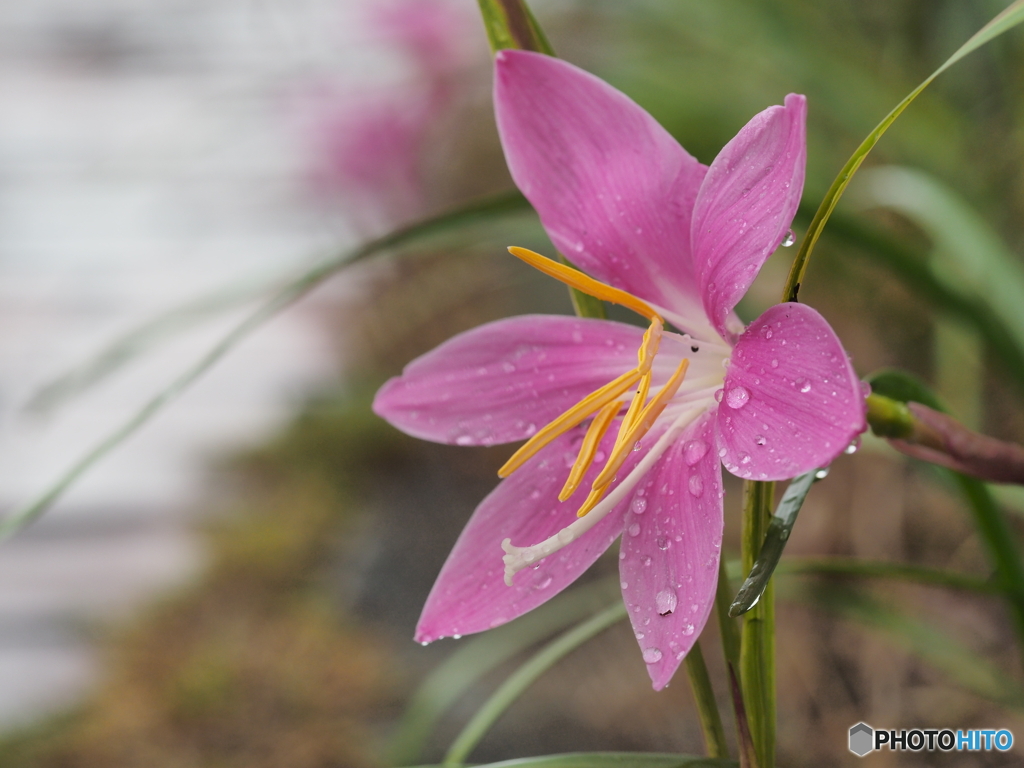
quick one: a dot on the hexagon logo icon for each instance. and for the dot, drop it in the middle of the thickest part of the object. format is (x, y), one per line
(862, 738)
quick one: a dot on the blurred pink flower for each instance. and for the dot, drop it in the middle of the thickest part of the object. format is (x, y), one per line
(674, 240)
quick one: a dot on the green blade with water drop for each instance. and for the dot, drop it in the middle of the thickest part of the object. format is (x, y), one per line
(775, 539)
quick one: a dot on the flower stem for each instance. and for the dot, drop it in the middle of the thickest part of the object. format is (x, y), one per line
(757, 644)
(731, 651)
(707, 708)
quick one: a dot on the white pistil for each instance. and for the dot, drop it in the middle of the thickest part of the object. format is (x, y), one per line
(518, 558)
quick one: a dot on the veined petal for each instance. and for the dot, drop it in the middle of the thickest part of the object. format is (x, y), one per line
(470, 594)
(670, 550)
(792, 401)
(503, 381)
(613, 189)
(746, 204)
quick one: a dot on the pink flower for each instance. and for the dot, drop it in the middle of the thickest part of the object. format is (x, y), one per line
(681, 242)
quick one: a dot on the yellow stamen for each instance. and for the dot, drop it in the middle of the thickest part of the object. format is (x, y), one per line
(649, 346)
(592, 500)
(595, 433)
(572, 417)
(581, 282)
(640, 427)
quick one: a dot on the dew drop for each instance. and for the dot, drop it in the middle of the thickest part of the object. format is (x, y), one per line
(760, 439)
(865, 388)
(766, 331)
(639, 635)
(852, 447)
(803, 385)
(718, 394)
(652, 655)
(464, 440)
(821, 474)
(665, 601)
(775, 363)
(633, 530)
(639, 505)
(694, 451)
(646, 559)
(637, 446)
(688, 630)
(789, 239)
(663, 542)
(737, 397)
(696, 486)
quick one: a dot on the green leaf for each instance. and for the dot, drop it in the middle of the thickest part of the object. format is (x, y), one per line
(1009, 18)
(478, 656)
(524, 677)
(989, 520)
(757, 643)
(707, 706)
(911, 267)
(958, 662)
(779, 528)
(487, 210)
(511, 24)
(611, 760)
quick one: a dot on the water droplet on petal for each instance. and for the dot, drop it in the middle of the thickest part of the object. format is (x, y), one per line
(665, 601)
(821, 474)
(865, 388)
(760, 439)
(852, 447)
(737, 397)
(789, 239)
(718, 394)
(637, 446)
(696, 486)
(464, 440)
(663, 542)
(694, 451)
(639, 505)
(766, 331)
(803, 385)
(633, 530)
(775, 363)
(688, 630)
(652, 655)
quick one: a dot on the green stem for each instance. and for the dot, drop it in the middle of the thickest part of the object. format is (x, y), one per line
(707, 708)
(1001, 545)
(731, 651)
(757, 644)
(524, 677)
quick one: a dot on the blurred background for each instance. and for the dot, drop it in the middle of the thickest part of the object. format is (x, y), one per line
(237, 584)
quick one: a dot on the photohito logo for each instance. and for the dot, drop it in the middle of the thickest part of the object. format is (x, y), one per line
(865, 739)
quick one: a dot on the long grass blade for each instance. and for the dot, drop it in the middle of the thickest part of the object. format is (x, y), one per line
(486, 210)
(1009, 18)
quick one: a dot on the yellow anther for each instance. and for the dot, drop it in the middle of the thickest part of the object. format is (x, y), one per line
(643, 422)
(649, 347)
(592, 499)
(571, 418)
(581, 282)
(591, 441)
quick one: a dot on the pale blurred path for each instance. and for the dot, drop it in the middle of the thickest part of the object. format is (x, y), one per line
(145, 159)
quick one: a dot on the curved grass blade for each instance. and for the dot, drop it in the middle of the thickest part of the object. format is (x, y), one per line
(611, 760)
(140, 340)
(523, 677)
(1009, 18)
(875, 569)
(482, 654)
(958, 662)
(989, 520)
(779, 528)
(486, 210)
(912, 269)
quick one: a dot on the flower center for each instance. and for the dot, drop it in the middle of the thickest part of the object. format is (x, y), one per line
(603, 404)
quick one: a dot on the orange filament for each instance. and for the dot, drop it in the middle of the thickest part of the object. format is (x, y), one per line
(581, 282)
(642, 424)
(595, 433)
(574, 416)
(604, 402)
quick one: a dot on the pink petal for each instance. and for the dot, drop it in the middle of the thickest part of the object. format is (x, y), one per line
(670, 550)
(502, 381)
(470, 594)
(613, 189)
(746, 204)
(792, 401)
